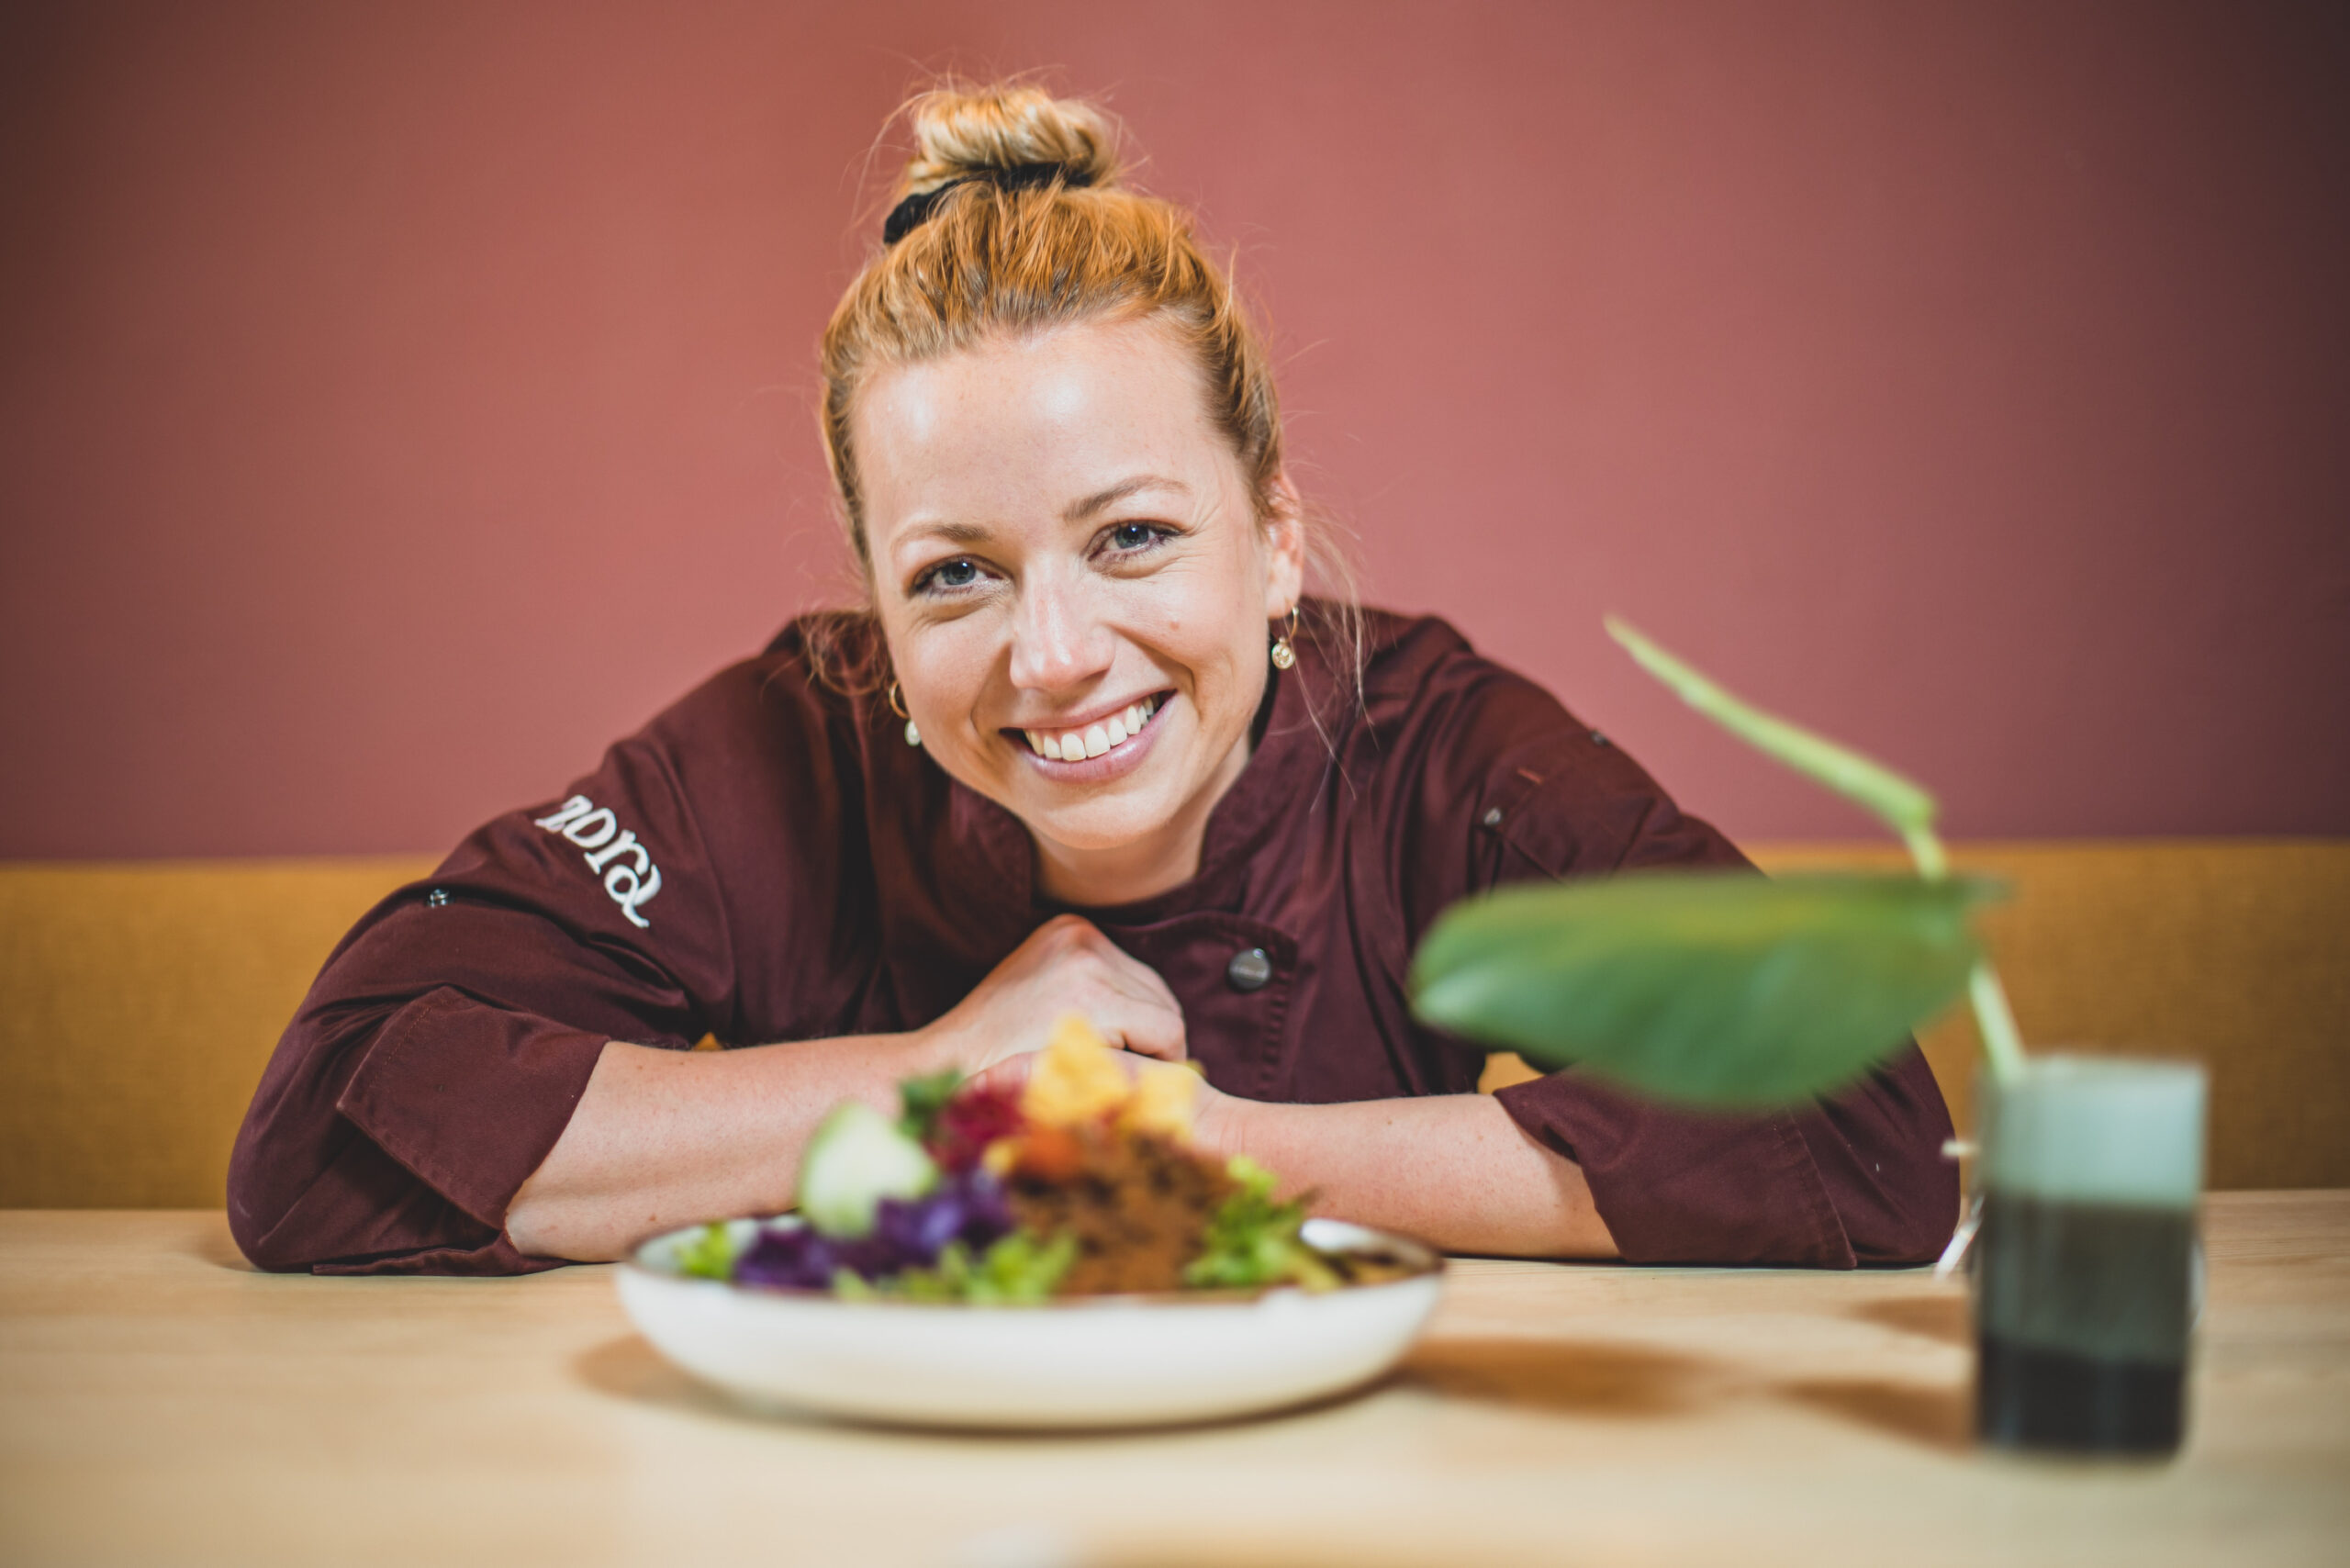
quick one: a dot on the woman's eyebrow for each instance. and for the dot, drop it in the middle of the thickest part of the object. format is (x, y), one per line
(952, 532)
(1079, 511)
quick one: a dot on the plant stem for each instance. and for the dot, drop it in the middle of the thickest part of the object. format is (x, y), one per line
(1900, 803)
(2002, 1041)
(1926, 850)
(1993, 1019)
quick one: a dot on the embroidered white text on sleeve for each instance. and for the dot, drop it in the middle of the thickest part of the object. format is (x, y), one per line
(597, 830)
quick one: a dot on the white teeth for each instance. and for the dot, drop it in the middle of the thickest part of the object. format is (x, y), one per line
(1070, 746)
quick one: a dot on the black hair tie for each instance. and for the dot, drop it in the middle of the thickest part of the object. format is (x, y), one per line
(914, 211)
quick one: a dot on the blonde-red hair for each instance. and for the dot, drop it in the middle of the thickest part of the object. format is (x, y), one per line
(1062, 240)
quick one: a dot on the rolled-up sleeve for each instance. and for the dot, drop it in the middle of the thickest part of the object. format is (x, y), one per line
(469, 1098)
(442, 1049)
(1855, 1177)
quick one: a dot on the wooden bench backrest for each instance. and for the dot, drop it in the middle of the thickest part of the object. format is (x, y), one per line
(138, 1002)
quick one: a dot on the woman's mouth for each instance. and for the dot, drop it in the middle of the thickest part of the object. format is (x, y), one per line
(1097, 738)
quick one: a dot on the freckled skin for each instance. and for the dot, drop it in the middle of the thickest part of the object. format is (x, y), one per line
(1005, 609)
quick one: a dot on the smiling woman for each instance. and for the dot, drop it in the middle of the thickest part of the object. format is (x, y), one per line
(1074, 580)
(1088, 747)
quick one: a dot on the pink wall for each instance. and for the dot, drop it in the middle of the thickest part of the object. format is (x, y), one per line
(397, 402)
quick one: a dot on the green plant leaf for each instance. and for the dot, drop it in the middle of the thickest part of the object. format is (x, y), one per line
(1902, 803)
(1720, 989)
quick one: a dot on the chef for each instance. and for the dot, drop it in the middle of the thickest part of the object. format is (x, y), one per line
(1088, 746)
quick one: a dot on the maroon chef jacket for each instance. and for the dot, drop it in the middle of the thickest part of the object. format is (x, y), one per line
(770, 861)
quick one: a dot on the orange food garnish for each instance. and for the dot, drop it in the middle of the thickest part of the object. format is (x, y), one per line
(1080, 1081)
(1051, 1154)
(1077, 1078)
(1161, 1101)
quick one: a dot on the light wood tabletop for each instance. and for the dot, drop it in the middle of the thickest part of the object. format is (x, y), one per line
(161, 1403)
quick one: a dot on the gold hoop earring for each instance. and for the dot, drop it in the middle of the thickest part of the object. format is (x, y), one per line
(913, 735)
(1285, 654)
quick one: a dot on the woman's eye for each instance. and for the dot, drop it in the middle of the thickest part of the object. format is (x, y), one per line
(949, 574)
(1134, 535)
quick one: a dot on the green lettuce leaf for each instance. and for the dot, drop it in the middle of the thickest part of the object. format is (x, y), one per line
(1252, 1241)
(1017, 1271)
(709, 1256)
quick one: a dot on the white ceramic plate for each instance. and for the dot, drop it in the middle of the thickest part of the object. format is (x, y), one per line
(1095, 1361)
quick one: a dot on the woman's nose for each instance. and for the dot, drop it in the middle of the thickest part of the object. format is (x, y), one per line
(1057, 641)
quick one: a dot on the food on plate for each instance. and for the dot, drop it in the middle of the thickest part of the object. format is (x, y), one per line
(1082, 1182)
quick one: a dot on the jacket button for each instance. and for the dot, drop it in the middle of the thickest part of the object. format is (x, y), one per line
(1250, 970)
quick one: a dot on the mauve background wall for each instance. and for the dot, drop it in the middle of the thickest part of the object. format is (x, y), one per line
(400, 401)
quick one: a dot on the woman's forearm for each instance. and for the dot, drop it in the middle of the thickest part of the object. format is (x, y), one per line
(1453, 1170)
(663, 1139)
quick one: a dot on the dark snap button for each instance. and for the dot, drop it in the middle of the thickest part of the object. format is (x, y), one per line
(1250, 970)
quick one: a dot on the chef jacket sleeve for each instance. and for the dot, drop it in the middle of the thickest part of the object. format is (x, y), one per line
(1858, 1177)
(442, 1048)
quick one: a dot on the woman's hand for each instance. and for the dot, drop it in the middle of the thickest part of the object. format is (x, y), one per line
(1066, 966)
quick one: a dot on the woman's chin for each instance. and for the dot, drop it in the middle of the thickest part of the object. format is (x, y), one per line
(1126, 823)
(1109, 822)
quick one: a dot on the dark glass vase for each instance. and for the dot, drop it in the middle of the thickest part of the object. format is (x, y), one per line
(2085, 1265)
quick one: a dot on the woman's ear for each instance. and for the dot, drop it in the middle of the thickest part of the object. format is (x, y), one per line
(1284, 547)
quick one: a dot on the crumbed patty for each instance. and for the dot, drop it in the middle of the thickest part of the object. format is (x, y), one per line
(1138, 1206)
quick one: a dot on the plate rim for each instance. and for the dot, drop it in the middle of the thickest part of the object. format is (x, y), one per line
(1427, 1264)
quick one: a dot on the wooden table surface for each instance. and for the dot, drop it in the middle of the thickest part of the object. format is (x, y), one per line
(161, 1403)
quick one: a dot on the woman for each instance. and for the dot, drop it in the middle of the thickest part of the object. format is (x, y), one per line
(1088, 749)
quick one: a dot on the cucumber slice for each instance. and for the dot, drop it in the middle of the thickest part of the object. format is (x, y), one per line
(857, 1157)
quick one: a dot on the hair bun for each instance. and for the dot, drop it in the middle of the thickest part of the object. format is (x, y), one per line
(962, 131)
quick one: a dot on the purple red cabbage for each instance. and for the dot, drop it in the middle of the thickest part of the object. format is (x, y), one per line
(908, 1233)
